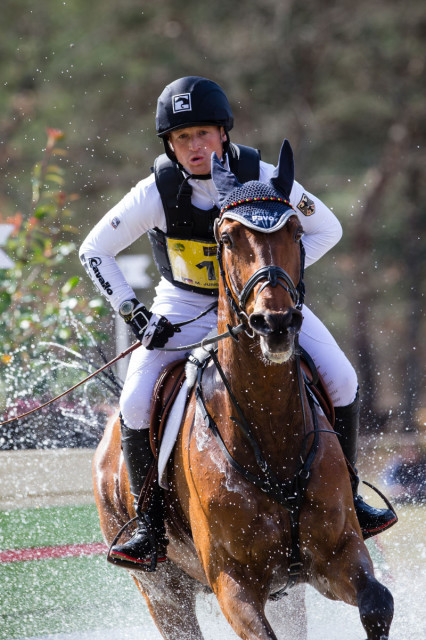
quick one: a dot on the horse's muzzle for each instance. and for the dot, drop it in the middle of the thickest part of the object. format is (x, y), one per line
(276, 323)
(277, 330)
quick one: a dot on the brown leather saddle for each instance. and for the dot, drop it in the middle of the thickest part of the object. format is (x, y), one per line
(165, 391)
(171, 379)
(316, 384)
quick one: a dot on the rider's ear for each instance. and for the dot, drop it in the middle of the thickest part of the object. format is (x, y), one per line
(216, 230)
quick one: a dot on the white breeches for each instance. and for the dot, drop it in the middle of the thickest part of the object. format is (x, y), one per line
(145, 366)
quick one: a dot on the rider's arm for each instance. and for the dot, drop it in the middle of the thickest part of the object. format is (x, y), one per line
(322, 229)
(138, 211)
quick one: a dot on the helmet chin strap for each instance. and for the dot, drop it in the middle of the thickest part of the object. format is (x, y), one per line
(194, 176)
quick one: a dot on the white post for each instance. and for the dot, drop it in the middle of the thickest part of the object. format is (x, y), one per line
(5, 261)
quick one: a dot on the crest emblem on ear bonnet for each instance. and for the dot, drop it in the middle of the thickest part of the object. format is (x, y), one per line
(258, 205)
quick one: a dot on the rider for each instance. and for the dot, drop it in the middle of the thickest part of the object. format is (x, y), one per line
(176, 205)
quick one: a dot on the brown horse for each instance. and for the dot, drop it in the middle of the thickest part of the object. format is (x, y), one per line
(260, 496)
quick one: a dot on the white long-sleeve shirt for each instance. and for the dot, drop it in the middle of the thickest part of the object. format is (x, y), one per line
(141, 209)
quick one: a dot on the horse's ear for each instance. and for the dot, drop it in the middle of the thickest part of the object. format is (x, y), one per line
(224, 181)
(283, 176)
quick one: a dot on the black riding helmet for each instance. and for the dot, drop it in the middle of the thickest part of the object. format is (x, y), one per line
(192, 101)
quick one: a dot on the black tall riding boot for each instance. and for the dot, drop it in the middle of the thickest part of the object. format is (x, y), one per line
(149, 537)
(372, 521)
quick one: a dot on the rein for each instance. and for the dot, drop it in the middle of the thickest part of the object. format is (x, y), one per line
(231, 333)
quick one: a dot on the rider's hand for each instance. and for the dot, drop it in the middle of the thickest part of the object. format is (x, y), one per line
(157, 332)
(151, 329)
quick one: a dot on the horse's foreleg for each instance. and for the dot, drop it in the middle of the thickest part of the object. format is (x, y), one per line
(241, 603)
(171, 597)
(351, 578)
(375, 603)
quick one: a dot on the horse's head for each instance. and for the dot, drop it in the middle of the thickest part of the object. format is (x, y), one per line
(260, 255)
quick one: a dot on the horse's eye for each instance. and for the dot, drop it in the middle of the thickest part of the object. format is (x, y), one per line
(226, 240)
(298, 234)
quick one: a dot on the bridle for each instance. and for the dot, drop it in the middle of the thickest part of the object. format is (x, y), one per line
(272, 275)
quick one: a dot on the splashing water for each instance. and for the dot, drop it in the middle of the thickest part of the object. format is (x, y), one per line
(38, 373)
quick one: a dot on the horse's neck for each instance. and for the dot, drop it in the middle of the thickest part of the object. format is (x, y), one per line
(268, 394)
(242, 361)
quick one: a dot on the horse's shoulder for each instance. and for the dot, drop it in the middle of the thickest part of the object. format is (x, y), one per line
(109, 444)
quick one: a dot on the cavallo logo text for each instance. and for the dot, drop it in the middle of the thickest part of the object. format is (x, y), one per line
(94, 265)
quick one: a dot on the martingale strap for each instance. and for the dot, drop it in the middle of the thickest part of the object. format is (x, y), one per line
(289, 493)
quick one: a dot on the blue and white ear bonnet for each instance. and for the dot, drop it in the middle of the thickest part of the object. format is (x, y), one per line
(259, 206)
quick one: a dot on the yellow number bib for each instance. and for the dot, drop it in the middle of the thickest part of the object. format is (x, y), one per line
(194, 262)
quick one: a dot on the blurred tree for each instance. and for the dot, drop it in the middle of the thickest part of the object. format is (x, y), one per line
(341, 80)
(37, 295)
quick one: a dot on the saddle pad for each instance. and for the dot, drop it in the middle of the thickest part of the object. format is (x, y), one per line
(170, 434)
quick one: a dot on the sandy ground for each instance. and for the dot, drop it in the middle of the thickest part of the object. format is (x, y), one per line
(42, 478)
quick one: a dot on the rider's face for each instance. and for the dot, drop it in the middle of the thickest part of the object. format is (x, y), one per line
(193, 146)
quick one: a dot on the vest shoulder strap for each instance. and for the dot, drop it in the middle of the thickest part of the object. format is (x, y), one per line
(244, 162)
(168, 179)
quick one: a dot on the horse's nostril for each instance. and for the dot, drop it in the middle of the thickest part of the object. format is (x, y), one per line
(258, 322)
(297, 319)
(278, 323)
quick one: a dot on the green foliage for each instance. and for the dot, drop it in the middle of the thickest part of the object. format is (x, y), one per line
(47, 320)
(38, 298)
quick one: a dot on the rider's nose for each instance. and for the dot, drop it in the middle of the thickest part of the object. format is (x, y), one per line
(194, 143)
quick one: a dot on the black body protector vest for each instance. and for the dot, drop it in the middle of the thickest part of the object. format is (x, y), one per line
(186, 254)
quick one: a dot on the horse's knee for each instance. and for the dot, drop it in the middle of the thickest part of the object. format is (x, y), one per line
(375, 604)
